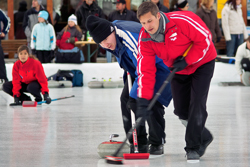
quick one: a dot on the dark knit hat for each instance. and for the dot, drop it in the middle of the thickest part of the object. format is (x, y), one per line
(182, 3)
(120, 1)
(98, 28)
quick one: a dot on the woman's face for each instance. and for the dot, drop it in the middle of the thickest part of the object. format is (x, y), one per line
(71, 23)
(23, 56)
(40, 19)
(238, 2)
(211, 3)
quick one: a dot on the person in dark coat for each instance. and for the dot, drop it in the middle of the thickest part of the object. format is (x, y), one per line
(209, 16)
(31, 17)
(3, 31)
(18, 20)
(88, 7)
(122, 13)
(160, 6)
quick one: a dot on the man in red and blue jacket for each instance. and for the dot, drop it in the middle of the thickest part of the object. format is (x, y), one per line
(121, 39)
(168, 35)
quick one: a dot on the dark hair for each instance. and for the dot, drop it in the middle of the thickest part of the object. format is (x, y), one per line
(173, 5)
(24, 47)
(233, 3)
(146, 7)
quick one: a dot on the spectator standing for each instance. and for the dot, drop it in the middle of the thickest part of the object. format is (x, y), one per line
(233, 26)
(27, 76)
(3, 31)
(88, 7)
(30, 18)
(69, 35)
(18, 20)
(43, 40)
(160, 6)
(179, 5)
(242, 62)
(122, 13)
(209, 16)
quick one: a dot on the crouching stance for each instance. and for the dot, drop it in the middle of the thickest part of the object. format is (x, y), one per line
(27, 76)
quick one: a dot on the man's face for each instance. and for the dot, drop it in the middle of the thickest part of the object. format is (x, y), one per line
(109, 42)
(155, 1)
(35, 4)
(89, 2)
(150, 22)
(120, 6)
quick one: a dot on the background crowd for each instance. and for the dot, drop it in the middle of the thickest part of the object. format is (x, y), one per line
(69, 25)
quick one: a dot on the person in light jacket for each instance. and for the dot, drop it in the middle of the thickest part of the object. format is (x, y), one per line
(43, 40)
(233, 26)
(242, 62)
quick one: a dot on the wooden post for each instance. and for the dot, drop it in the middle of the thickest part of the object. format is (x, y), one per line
(166, 3)
(128, 4)
(50, 9)
(11, 16)
(244, 10)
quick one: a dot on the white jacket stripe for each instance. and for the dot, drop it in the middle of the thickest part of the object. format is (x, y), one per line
(197, 26)
(128, 40)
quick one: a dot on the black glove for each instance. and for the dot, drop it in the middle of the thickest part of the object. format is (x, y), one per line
(179, 63)
(71, 40)
(16, 101)
(141, 112)
(131, 104)
(218, 39)
(33, 51)
(47, 98)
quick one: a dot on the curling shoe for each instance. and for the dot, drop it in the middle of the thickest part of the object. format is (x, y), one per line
(156, 149)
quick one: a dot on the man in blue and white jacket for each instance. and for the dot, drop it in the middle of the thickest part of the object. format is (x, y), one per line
(121, 39)
(3, 31)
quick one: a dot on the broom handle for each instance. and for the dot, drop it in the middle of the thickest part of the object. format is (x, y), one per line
(151, 104)
(135, 141)
(60, 98)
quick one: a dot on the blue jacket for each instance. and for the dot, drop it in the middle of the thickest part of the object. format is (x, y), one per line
(127, 35)
(6, 22)
(43, 37)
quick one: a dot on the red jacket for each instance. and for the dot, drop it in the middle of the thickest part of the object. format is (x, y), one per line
(27, 72)
(182, 29)
(63, 36)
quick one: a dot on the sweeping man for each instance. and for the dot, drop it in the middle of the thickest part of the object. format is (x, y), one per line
(168, 35)
(120, 38)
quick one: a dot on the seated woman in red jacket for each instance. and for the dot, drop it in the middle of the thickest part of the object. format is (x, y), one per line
(67, 37)
(27, 76)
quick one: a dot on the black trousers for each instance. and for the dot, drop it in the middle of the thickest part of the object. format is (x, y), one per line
(2, 64)
(43, 56)
(156, 121)
(33, 88)
(190, 97)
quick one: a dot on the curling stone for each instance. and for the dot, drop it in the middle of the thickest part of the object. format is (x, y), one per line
(108, 148)
(246, 78)
(95, 83)
(59, 84)
(110, 84)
